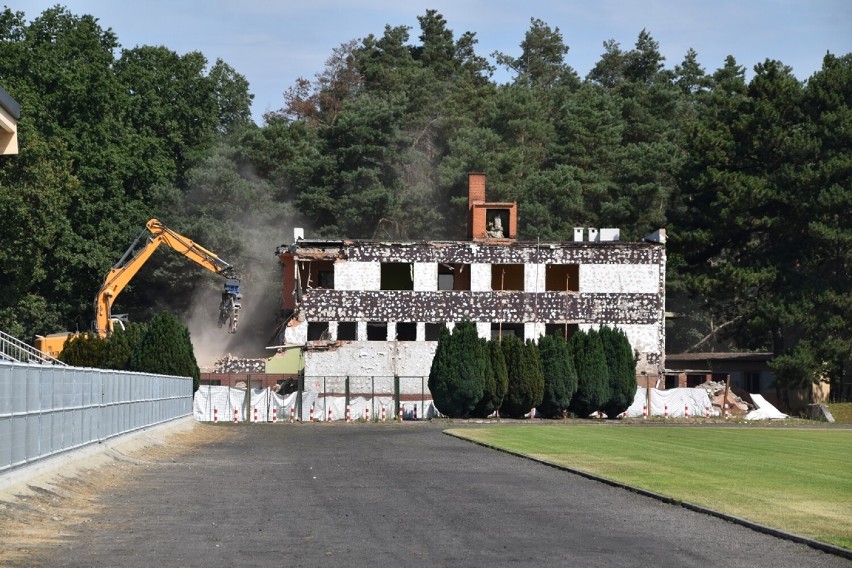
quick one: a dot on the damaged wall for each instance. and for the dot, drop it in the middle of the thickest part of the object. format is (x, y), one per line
(613, 283)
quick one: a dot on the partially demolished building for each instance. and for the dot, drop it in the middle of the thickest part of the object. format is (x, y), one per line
(368, 308)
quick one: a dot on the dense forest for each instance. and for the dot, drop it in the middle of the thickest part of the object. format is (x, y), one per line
(751, 178)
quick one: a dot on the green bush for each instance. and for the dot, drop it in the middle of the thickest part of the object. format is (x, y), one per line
(622, 371)
(121, 345)
(560, 377)
(525, 379)
(83, 350)
(592, 373)
(166, 349)
(457, 375)
(496, 380)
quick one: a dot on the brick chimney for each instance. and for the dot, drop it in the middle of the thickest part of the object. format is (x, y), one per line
(481, 213)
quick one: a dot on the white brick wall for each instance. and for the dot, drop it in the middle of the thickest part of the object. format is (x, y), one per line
(372, 358)
(357, 276)
(425, 276)
(480, 277)
(620, 278)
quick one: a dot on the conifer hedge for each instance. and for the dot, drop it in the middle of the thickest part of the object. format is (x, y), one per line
(560, 377)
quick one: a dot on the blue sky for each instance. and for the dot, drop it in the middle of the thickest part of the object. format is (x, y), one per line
(272, 43)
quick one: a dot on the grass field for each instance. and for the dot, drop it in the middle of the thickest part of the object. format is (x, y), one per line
(795, 479)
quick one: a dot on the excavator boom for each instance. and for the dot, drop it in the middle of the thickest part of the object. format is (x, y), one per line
(154, 235)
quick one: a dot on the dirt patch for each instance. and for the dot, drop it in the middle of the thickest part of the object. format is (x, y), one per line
(49, 508)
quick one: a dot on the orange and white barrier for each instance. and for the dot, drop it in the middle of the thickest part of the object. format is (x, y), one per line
(384, 413)
(236, 415)
(215, 415)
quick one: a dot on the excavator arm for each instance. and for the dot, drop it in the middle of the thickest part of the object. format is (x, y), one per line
(154, 235)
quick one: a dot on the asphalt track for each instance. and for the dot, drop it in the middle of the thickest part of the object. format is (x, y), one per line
(399, 495)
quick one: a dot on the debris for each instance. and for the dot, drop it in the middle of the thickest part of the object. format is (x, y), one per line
(231, 364)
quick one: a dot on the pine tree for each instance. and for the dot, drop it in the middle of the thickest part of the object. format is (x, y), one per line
(592, 373)
(560, 377)
(526, 381)
(121, 345)
(166, 349)
(622, 371)
(457, 375)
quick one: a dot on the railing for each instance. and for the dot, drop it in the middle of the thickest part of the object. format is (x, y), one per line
(15, 350)
(48, 409)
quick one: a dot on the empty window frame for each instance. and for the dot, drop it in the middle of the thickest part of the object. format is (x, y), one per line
(751, 381)
(499, 330)
(562, 278)
(316, 274)
(406, 331)
(318, 330)
(453, 276)
(397, 276)
(497, 223)
(433, 331)
(347, 331)
(507, 277)
(565, 330)
(377, 331)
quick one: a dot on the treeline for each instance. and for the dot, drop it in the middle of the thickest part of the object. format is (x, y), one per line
(751, 178)
(161, 346)
(593, 371)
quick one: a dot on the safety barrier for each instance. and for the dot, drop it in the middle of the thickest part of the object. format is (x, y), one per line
(47, 409)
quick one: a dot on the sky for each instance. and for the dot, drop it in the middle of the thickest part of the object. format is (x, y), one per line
(275, 42)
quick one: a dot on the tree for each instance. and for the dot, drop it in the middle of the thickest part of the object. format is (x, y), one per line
(121, 345)
(83, 350)
(592, 373)
(560, 377)
(525, 379)
(542, 60)
(166, 349)
(622, 371)
(457, 375)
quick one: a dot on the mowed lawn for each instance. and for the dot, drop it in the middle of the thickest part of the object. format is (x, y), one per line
(796, 479)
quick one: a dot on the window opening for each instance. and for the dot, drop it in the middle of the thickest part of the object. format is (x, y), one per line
(406, 331)
(453, 276)
(562, 278)
(377, 331)
(318, 330)
(507, 277)
(347, 331)
(397, 276)
(433, 331)
(565, 330)
(500, 330)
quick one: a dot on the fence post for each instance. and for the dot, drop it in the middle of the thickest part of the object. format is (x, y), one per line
(373, 395)
(397, 397)
(300, 389)
(346, 391)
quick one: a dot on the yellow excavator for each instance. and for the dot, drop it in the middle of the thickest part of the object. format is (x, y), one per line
(154, 235)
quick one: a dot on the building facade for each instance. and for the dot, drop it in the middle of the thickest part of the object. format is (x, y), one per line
(367, 308)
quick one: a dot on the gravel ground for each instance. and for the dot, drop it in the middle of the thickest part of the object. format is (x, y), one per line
(359, 495)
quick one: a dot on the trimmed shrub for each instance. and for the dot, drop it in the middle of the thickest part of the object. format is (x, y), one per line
(525, 379)
(622, 371)
(121, 345)
(457, 375)
(166, 349)
(83, 350)
(560, 377)
(496, 381)
(592, 373)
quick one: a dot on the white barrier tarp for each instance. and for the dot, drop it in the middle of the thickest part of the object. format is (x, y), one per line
(674, 403)
(764, 410)
(213, 403)
(223, 402)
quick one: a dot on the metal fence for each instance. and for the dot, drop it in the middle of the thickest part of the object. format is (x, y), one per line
(364, 396)
(45, 410)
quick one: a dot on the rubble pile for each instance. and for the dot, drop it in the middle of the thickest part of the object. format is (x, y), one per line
(716, 391)
(231, 364)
